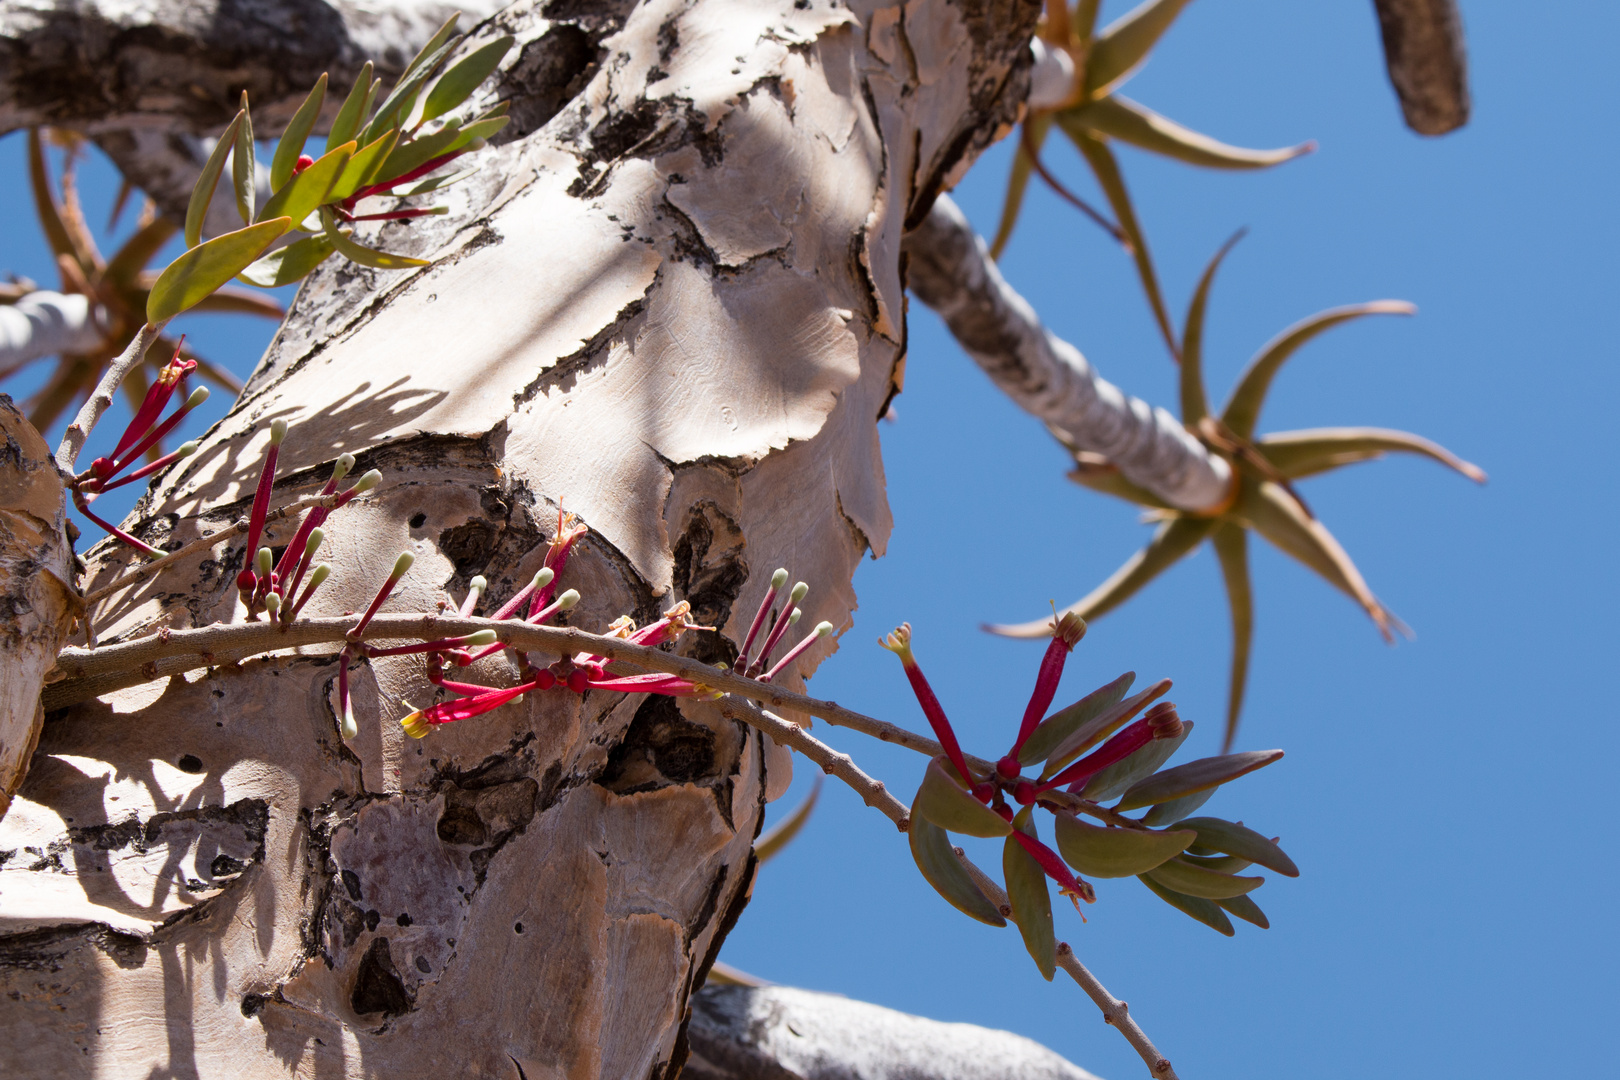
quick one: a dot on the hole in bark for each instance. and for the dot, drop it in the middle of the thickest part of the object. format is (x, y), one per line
(377, 988)
(418, 520)
(517, 928)
(190, 763)
(253, 1004)
(403, 919)
(423, 966)
(468, 546)
(662, 746)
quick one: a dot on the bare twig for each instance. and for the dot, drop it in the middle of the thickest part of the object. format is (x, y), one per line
(833, 763)
(203, 543)
(73, 439)
(1115, 1012)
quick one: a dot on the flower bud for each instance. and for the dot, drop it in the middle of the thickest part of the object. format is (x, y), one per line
(798, 593)
(478, 584)
(266, 562)
(272, 602)
(321, 572)
(316, 535)
(341, 467)
(568, 599)
(544, 577)
(779, 578)
(186, 449)
(278, 432)
(793, 619)
(197, 397)
(368, 481)
(481, 637)
(402, 564)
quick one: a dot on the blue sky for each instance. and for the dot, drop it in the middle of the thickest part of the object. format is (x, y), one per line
(1449, 799)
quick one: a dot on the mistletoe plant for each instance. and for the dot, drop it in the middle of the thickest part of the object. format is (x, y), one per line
(1093, 113)
(1263, 498)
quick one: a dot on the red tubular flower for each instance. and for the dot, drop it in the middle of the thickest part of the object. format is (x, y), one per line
(173, 374)
(480, 637)
(784, 619)
(899, 643)
(419, 723)
(113, 530)
(1066, 633)
(296, 555)
(1055, 868)
(569, 532)
(1160, 722)
(778, 579)
(669, 685)
(185, 450)
(261, 502)
(542, 578)
(823, 629)
(401, 565)
(194, 399)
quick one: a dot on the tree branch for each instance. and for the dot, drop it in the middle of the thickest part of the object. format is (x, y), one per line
(1116, 1013)
(951, 272)
(1427, 59)
(112, 63)
(44, 323)
(73, 439)
(833, 763)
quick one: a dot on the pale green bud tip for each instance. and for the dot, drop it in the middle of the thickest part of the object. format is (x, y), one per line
(779, 579)
(341, 467)
(824, 629)
(793, 619)
(482, 637)
(402, 564)
(798, 592)
(350, 729)
(278, 431)
(321, 572)
(272, 603)
(316, 535)
(187, 448)
(197, 397)
(368, 481)
(478, 584)
(568, 599)
(266, 562)
(544, 577)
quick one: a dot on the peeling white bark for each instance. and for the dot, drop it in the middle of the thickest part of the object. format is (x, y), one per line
(951, 272)
(673, 308)
(45, 323)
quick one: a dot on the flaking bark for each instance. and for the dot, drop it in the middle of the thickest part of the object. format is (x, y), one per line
(670, 303)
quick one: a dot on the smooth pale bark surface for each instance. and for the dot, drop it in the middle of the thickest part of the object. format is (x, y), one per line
(36, 602)
(779, 1033)
(674, 308)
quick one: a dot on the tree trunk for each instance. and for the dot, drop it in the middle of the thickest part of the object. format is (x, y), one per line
(670, 303)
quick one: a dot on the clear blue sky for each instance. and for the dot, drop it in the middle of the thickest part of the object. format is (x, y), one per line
(1449, 800)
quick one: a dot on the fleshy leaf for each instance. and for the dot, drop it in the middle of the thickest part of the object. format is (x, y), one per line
(293, 139)
(1124, 44)
(206, 267)
(363, 166)
(1105, 852)
(306, 191)
(1106, 169)
(1030, 898)
(1123, 119)
(457, 84)
(1297, 454)
(1119, 776)
(1174, 539)
(936, 858)
(943, 800)
(1275, 514)
(1243, 410)
(361, 254)
(782, 834)
(1246, 909)
(1184, 877)
(1207, 912)
(1232, 550)
(1230, 838)
(1172, 812)
(353, 109)
(202, 192)
(419, 151)
(1194, 400)
(1194, 776)
(1036, 128)
(289, 264)
(433, 183)
(1066, 721)
(244, 165)
(391, 113)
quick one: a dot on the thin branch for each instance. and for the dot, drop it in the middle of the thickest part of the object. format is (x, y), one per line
(951, 271)
(833, 763)
(203, 543)
(74, 439)
(1116, 1013)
